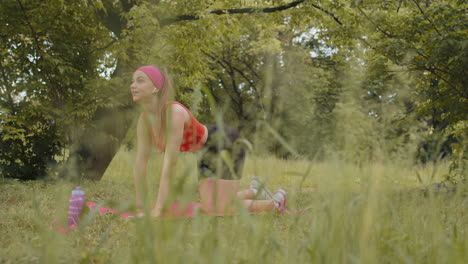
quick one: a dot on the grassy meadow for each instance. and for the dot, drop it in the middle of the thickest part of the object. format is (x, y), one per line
(358, 214)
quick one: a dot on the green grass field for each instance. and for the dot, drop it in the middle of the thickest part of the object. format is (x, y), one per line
(366, 214)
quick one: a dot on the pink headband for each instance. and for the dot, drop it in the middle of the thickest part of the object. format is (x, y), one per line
(154, 74)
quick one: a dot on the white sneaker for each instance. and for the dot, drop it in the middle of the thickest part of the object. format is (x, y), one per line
(280, 195)
(280, 199)
(263, 193)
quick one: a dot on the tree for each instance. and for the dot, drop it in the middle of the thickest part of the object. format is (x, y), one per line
(73, 72)
(421, 41)
(47, 66)
(70, 68)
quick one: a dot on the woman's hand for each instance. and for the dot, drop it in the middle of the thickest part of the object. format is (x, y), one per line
(155, 213)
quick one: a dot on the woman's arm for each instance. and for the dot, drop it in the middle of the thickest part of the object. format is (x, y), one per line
(177, 116)
(141, 160)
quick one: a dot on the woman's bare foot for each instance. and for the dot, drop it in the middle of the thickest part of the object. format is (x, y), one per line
(140, 213)
(155, 213)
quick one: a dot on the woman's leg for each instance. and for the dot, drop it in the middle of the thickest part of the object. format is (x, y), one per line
(222, 196)
(218, 196)
(246, 194)
(259, 206)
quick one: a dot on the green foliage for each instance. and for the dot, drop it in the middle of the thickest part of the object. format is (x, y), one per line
(427, 40)
(359, 79)
(370, 214)
(50, 65)
(29, 145)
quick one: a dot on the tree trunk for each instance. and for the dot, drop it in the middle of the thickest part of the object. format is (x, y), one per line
(96, 147)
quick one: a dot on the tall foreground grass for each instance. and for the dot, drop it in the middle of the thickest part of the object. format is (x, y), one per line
(367, 214)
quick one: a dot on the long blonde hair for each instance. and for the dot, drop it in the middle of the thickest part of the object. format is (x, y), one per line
(165, 95)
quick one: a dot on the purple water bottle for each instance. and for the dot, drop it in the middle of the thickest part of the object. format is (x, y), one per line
(75, 206)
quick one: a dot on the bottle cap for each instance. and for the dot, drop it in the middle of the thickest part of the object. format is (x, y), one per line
(78, 191)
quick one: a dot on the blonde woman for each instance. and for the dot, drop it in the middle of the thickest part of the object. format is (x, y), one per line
(170, 127)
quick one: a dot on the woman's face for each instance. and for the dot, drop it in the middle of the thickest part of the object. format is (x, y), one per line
(141, 87)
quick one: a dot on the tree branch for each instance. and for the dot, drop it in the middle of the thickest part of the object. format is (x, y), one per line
(426, 17)
(235, 86)
(180, 18)
(7, 89)
(33, 32)
(328, 13)
(249, 81)
(433, 71)
(375, 25)
(107, 45)
(55, 88)
(399, 5)
(225, 66)
(220, 78)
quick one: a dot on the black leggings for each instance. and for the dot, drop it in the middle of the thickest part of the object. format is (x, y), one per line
(222, 141)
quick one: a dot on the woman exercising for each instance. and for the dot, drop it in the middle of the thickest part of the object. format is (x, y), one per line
(171, 127)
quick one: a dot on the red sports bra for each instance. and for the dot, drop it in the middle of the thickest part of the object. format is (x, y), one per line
(193, 133)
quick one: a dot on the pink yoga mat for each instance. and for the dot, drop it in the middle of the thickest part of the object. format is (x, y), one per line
(175, 211)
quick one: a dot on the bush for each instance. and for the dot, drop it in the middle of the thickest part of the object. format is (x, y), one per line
(29, 145)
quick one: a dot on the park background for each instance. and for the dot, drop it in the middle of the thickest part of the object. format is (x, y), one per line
(357, 108)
